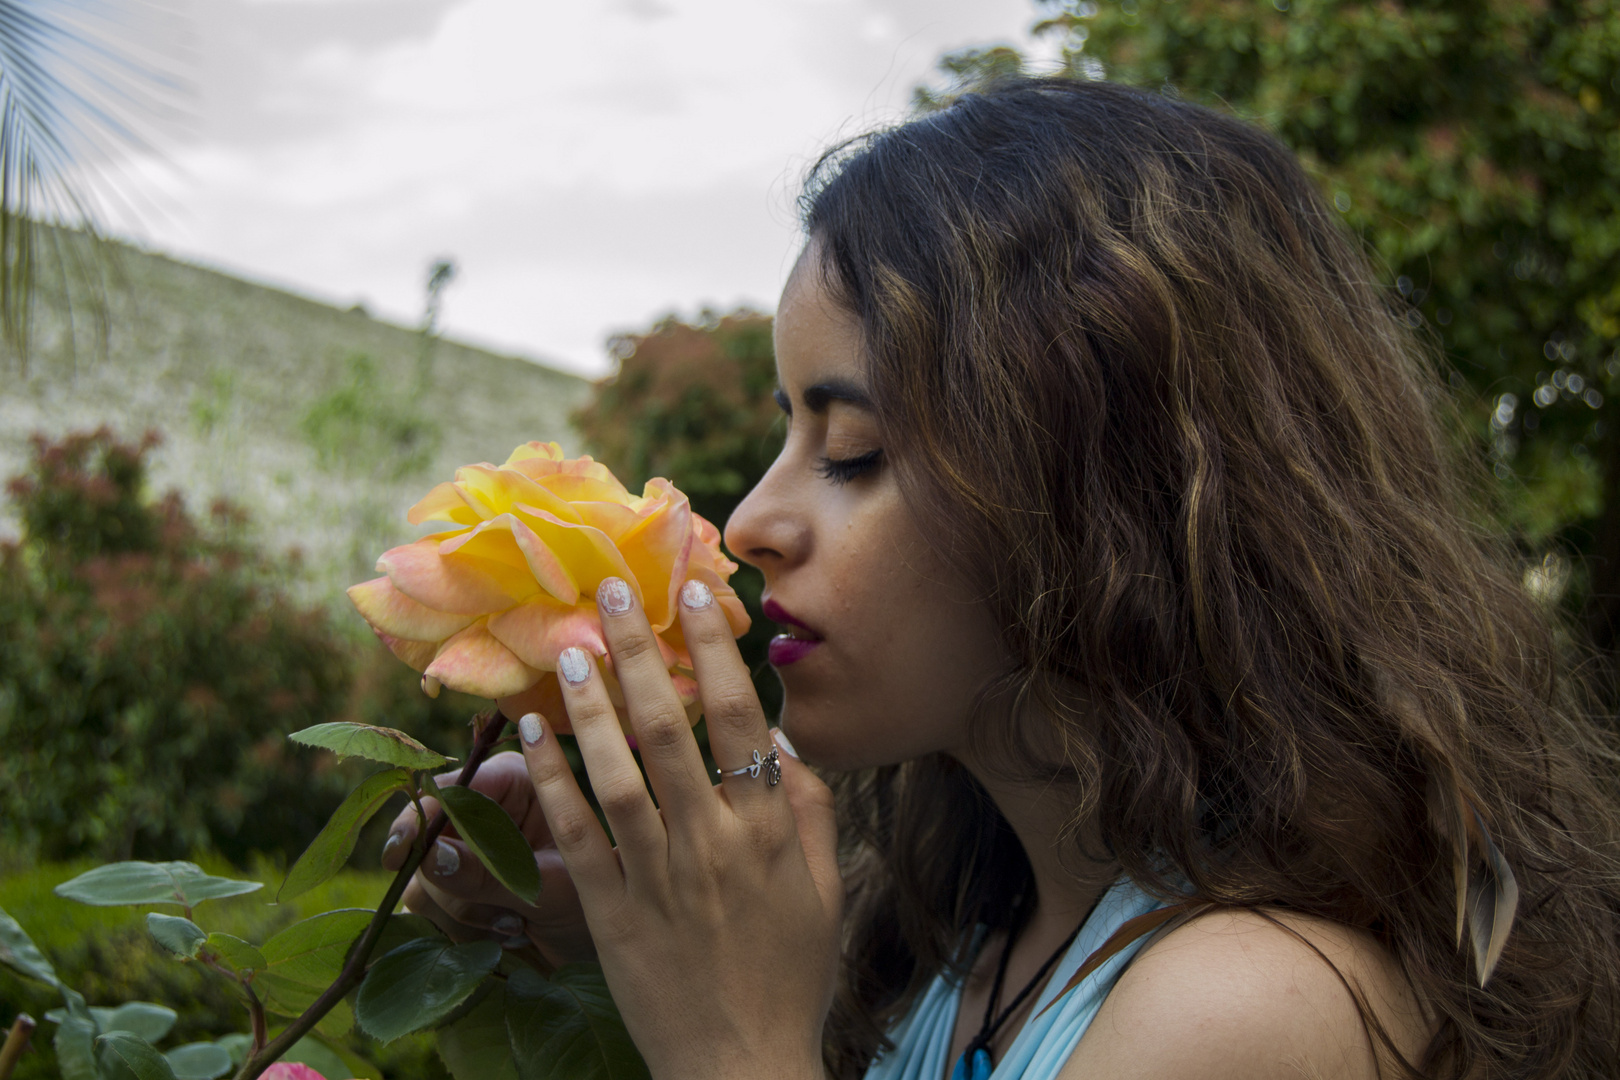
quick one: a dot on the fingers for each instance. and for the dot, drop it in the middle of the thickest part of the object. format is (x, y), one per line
(669, 752)
(737, 729)
(816, 818)
(584, 847)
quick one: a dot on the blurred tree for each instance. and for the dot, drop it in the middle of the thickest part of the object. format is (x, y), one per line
(1475, 146)
(693, 403)
(149, 671)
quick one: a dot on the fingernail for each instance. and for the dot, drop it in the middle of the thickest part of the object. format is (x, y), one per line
(391, 845)
(614, 595)
(696, 595)
(515, 942)
(430, 686)
(574, 665)
(508, 925)
(782, 741)
(446, 860)
(531, 728)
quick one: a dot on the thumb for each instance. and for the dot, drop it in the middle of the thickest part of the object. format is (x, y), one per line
(816, 817)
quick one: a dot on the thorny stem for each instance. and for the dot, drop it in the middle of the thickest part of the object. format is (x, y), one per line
(354, 968)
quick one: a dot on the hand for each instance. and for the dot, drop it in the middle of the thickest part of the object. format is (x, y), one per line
(455, 891)
(717, 920)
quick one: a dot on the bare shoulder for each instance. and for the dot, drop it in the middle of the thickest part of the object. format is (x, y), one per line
(1251, 996)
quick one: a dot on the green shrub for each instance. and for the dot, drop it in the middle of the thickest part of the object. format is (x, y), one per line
(150, 667)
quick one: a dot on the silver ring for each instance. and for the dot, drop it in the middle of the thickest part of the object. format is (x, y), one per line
(771, 764)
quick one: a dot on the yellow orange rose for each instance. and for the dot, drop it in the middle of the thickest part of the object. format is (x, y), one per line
(486, 606)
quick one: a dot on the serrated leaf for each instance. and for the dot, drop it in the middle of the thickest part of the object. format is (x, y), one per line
(199, 1061)
(306, 958)
(122, 883)
(420, 983)
(143, 1019)
(567, 1027)
(383, 744)
(235, 953)
(180, 936)
(137, 1055)
(475, 1047)
(334, 844)
(19, 953)
(494, 837)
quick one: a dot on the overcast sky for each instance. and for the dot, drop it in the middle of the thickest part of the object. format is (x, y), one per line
(589, 164)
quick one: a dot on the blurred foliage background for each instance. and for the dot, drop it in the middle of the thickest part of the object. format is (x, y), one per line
(153, 656)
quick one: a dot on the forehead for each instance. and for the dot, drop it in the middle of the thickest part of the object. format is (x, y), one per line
(816, 337)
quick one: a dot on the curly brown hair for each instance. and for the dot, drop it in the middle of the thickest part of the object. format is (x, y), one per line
(1147, 390)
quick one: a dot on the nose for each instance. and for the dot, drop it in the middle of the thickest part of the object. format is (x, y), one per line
(768, 529)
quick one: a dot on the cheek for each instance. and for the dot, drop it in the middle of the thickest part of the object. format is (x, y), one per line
(912, 652)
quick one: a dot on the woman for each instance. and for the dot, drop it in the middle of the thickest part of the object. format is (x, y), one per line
(1131, 599)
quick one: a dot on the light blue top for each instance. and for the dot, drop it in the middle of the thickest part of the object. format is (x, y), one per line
(923, 1039)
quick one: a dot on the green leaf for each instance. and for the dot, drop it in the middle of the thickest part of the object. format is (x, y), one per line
(400, 928)
(19, 953)
(182, 937)
(327, 1060)
(475, 1047)
(75, 1042)
(329, 850)
(419, 983)
(237, 1045)
(236, 954)
(306, 958)
(180, 883)
(143, 1019)
(494, 837)
(568, 1028)
(199, 1061)
(382, 744)
(137, 1054)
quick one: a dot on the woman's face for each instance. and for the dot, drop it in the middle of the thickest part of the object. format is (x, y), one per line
(884, 647)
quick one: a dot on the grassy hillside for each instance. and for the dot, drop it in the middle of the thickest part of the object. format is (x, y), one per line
(324, 424)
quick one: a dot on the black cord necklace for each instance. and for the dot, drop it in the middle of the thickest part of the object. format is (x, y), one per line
(975, 1063)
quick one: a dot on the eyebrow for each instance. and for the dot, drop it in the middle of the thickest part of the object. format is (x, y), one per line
(817, 397)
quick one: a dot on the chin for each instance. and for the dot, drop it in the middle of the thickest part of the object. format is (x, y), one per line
(842, 739)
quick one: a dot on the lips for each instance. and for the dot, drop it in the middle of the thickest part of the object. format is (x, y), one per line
(789, 648)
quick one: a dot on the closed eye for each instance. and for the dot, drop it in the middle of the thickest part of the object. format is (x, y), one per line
(843, 470)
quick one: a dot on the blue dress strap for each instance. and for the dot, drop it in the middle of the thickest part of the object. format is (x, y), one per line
(923, 1038)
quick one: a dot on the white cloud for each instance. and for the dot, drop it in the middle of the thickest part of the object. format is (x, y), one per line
(589, 165)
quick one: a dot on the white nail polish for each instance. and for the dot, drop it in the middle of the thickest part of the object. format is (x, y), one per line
(696, 595)
(782, 741)
(446, 860)
(531, 728)
(508, 925)
(574, 665)
(614, 595)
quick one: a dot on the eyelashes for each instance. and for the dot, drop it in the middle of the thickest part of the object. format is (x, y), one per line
(843, 470)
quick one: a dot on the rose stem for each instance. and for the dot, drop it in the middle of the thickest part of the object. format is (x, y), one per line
(354, 969)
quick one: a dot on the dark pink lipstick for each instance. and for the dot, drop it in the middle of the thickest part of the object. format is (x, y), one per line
(791, 647)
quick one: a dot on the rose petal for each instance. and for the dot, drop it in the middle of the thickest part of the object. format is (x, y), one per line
(464, 585)
(290, 1070)
(391, 611)
(612, 518)
(502, 489)
(446, 503)
(587, 551)
(416, 654)
(541, 627)
(544, 697)
(475, 663)
(534, 452)
(657, 550)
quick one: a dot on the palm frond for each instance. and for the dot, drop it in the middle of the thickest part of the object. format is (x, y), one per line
(83, 84)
